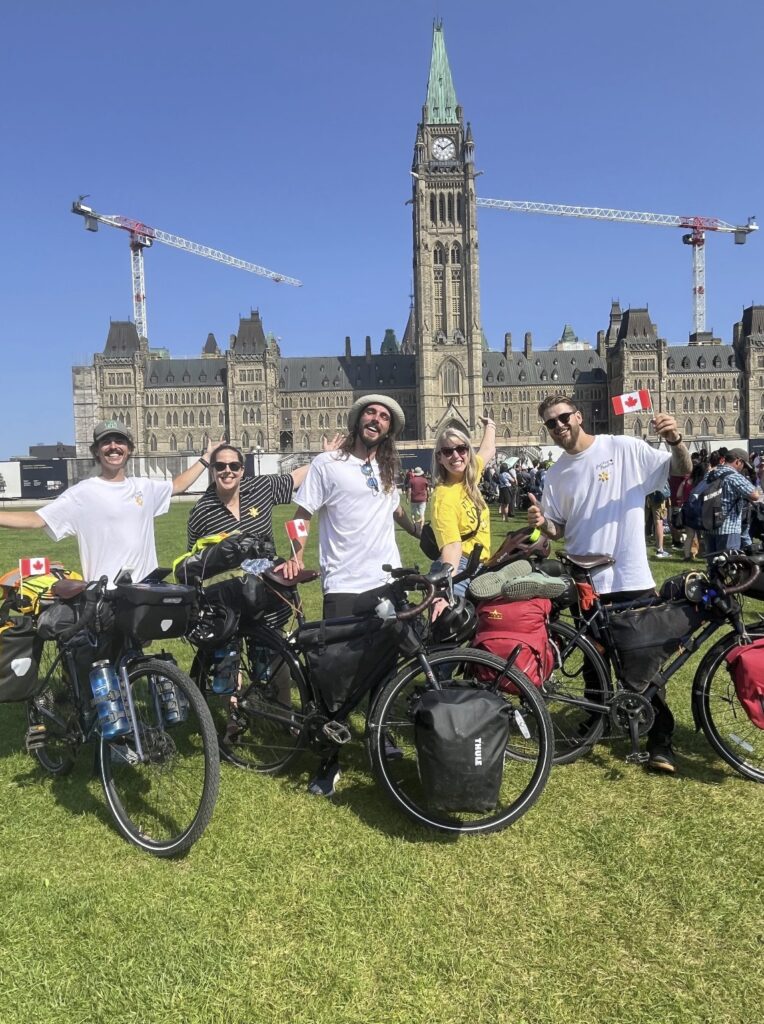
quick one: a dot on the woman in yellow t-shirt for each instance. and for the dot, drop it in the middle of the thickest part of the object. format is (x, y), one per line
(459, 515)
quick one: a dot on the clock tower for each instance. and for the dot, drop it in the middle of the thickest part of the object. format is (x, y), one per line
(448, 336)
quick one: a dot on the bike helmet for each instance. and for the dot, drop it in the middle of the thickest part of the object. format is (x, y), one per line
(456, 624)
(518, 544)
(215, 623)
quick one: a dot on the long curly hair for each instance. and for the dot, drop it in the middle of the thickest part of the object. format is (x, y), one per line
(452, 437)
(386, 456)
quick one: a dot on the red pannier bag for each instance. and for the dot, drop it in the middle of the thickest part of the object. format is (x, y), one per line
(746, 666)
(503, 624)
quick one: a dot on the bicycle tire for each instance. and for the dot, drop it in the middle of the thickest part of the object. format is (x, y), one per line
(262, 729)
(54, 707)
(164, 803)
(720, 714)
(576, 729)
(529, 747)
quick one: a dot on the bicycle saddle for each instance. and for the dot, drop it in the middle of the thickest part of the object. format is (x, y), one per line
(67, 590)
(588, 561)
(277, 578)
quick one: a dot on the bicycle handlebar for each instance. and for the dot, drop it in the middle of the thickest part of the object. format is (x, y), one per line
(741, 560)
(95, 594)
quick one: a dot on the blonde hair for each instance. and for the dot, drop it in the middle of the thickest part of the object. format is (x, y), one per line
(470, 482)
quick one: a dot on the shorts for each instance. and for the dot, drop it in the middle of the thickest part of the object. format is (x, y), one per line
(417, 509)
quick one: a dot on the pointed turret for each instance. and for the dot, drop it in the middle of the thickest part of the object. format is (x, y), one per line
(440, 106)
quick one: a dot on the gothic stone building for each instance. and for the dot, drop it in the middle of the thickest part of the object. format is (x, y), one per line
(443, 372)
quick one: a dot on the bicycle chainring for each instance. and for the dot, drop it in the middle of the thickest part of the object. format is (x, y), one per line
(625, 705)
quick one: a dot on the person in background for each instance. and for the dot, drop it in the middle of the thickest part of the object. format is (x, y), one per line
(418, 490)
(736, 489)
(691, 522)
(507, 479)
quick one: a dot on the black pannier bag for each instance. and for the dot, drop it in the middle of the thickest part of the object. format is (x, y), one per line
(262, 597)
(153, 611)
(342, 657)
(645, 637)
(461, 736)
(19, 658)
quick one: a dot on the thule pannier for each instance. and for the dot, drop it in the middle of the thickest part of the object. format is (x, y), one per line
(461, 736)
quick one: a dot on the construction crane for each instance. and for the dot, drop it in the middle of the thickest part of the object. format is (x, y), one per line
(142, 236)
(696, 235)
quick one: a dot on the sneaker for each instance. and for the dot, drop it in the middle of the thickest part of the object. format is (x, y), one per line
(662, 759)
(536, 584)
(662, 554)
(488, 585)
(391, 751)
(323, 784)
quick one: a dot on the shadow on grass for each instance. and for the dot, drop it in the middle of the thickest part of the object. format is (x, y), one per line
(70, 791)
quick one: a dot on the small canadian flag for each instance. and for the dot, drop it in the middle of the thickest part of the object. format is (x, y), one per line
(297, 529)
(634, 401)
(33, 566)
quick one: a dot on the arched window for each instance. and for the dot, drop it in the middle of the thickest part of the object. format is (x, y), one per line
(442, 208)
(637, 428)
(451, 380)
(704, 427)
(433, 211)
(450, 208)
(152, 443)
(189, 443)
(456, 253)
(173, 443)
(306, 441)
(259, 440)
(688, 427)
(175, 419)
(245, 440)
(221, 418)
(438, 255)
(185, 419)
(720, 427)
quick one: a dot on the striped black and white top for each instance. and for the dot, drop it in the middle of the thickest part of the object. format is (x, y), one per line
(257, 496)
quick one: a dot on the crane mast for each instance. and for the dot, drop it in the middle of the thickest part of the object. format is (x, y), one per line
(142, 236)
(695, 237)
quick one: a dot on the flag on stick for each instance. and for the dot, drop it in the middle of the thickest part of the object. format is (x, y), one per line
(33, 566)
(634, 401)
(297, 529)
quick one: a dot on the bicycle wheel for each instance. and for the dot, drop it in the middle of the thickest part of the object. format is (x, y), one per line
(580, 673)
(163, 802)
(392, 746)
(261, 726)
(55, 708)
(719, 713)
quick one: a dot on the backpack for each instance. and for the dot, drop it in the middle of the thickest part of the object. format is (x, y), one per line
(746, 666)
(692, 509)
(711, 516)
(503, 624)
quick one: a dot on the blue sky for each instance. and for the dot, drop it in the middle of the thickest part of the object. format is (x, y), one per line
(283, 133)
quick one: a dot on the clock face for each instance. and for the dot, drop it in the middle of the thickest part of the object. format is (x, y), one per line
(443, 149)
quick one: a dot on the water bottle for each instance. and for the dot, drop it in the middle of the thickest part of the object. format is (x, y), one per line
(112, 717)
(225, 669)
(173, 702)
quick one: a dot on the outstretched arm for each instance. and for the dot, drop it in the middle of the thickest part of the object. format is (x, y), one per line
(21, 520)
(183, 480)
(327, 445)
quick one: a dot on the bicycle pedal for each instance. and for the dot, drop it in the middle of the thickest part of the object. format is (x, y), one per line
(36, 737)
(337, 732)
(641, 757)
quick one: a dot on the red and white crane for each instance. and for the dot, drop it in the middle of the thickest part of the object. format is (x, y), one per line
(142, 236)
(696, 228)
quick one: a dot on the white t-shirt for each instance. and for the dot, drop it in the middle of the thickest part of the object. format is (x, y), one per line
(599, 497)
(356, 530)
(113, 523)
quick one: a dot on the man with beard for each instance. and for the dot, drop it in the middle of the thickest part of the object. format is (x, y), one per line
(111, 514)
(594, 496)
(355, 490)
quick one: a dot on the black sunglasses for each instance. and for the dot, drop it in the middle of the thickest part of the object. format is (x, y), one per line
(460, 449)
(221, 467)
(561, 420)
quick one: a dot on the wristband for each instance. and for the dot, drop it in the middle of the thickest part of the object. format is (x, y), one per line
(204, 462)
(673, 444)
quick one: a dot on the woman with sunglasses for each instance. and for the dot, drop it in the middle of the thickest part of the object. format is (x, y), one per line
(235, 502)
(460, 516)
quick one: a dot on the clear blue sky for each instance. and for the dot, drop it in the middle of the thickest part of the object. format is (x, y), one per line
(283, 133)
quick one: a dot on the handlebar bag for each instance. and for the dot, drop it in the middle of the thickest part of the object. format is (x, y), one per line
(460, 735)
(153, 611)
(645, 637)
(19, 658)
(746, 666)
(342, 656)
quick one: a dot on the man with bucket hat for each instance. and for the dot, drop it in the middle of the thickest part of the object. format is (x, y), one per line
(111, 514)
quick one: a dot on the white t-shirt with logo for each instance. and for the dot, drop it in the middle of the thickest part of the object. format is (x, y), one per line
(113, 523)
(599, 496)
(356, 530)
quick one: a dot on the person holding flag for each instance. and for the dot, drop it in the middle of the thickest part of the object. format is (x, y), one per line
(111, 514)
(594, 496)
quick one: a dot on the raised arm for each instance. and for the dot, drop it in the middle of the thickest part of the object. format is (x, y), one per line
(327, 445)
(487, 449)
(292, 566)
(538, 520)
(183, 481)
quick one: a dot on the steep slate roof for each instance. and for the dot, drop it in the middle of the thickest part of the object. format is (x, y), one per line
(250, 338)
(636, 325)
(122, 339)
(211, 347)
(700, 358)
(579, 365)
(441, 95)
(347, 373)
(753, 321)
(164, 373)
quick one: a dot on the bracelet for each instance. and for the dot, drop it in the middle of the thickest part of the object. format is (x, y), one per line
(673, 444)
(204, 462)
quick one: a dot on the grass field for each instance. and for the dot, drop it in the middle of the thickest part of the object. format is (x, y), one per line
(621, 897)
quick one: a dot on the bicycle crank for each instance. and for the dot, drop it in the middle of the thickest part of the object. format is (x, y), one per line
(626, 708)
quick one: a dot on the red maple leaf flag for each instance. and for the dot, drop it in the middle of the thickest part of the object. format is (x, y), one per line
(297, 529)
(33, 566)
(633, 401)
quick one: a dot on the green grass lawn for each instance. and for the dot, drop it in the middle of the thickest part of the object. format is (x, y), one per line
(621, 897)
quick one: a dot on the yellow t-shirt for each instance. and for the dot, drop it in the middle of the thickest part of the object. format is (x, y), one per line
(454, 513)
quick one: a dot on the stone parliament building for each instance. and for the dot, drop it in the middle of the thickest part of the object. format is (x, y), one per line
(442, 371)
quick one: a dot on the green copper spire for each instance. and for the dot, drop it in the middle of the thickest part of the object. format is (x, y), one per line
(441, 95)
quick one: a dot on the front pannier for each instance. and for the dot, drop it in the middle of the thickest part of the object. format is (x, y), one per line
(153, 611)
(746, 666)
(461, 735)
(645, 637)
(19, 656)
